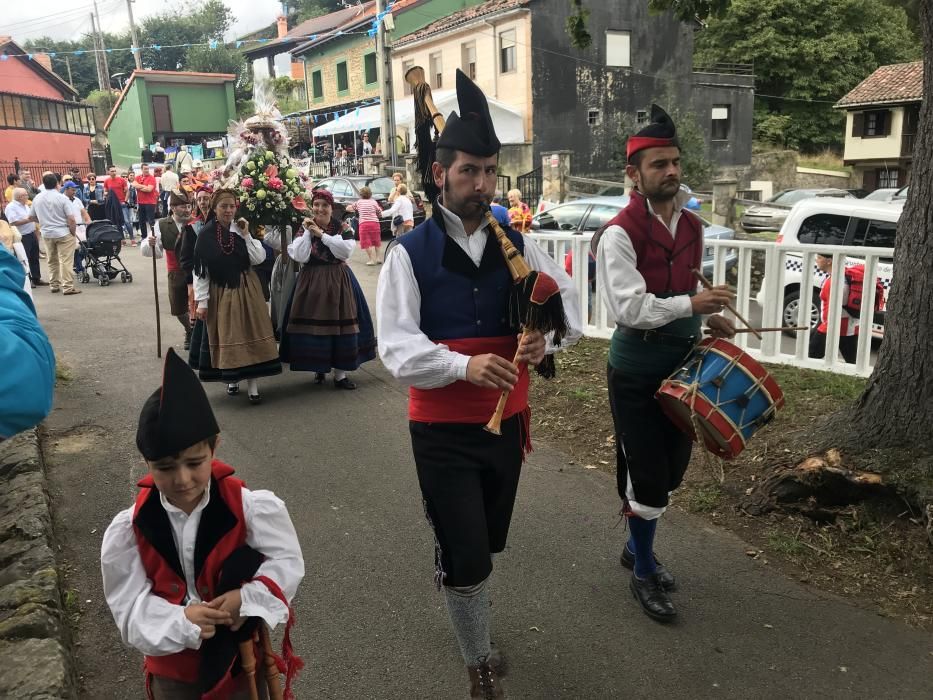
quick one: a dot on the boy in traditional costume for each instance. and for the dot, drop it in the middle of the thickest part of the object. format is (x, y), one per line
(199, 563)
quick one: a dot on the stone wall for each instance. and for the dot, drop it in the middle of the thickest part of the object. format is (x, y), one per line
(811, 177)
(35, 658)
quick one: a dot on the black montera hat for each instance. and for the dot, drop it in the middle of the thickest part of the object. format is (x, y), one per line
(471, 131)
(177, 415)
(660, 132)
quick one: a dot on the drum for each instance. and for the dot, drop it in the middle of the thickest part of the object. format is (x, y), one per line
(721, 393)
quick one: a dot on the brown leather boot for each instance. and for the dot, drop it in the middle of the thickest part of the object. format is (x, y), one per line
(484, 682)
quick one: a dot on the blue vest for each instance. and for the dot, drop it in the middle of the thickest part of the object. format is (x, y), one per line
(459, 299)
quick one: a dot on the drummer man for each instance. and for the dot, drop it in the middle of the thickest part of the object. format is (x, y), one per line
(645, 257)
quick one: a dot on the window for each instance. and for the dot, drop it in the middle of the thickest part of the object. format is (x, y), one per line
(161, 113)
(722, 120)
(507, 59)
(871, 124)
(592, 117)
(887, 178)
(317, 85)
(406, 88)
(618, 48)
(342, 188)
(567, 217)
(875, 234)
(641, 116)
(468, 59)
(39, 114)
(436, 76)
(824, 229)
(369, 69)
(343, 79)
(599, 216)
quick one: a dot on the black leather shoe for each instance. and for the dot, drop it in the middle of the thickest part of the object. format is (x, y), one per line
(653, 599)
(319, 377)
(233, 389)
(668, 583)
(255, 399)
(344, 383)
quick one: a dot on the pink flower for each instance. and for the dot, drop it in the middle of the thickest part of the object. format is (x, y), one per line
(298, 202)
(247, 183)
(275, 183)
(272, 171)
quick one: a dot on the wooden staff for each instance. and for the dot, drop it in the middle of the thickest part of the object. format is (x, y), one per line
(248, 662)
(155, 289)
(273, 681)
(771, 330)
(706, 285)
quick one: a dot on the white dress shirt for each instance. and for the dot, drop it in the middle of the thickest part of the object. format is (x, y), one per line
(622, 286)
(157, 627)
(412, 357)
(202, 283)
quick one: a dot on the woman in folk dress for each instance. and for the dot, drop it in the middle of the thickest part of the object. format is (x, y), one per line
(232, 339)
(327, 321)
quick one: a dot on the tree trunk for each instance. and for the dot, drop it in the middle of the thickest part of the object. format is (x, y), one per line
(896, 409)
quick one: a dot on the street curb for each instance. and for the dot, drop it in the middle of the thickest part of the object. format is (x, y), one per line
(36, 660)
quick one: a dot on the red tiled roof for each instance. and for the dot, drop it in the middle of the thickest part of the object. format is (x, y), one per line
(362, 18)
(462, 17)
(300, 33)
(900, 82)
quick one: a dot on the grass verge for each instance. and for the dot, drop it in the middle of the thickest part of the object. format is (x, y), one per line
(873, 550)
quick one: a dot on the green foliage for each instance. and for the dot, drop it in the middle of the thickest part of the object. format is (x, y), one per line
(807, 54)
(191, 24)
(698, 168)
(689, 10)
(576, 25)
(306, 9)
(102, 101)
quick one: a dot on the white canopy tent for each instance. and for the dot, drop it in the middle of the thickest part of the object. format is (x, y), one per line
(510, 125)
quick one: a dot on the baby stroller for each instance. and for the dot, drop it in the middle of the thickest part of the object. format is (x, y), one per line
(102, 254)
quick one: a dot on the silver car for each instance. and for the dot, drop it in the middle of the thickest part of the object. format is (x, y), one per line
(770, 215)
(590, 214)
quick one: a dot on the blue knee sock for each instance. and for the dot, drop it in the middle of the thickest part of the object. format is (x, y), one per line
(641, 544)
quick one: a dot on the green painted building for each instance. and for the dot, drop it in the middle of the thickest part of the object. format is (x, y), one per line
(170, 107)
(340, 65)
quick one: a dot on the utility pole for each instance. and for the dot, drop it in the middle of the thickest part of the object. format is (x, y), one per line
(103, 50)
(68, 66)
(386, 94)
(103, 79)
(137, 56)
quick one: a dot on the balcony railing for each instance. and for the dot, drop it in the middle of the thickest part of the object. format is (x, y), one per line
(726, 68)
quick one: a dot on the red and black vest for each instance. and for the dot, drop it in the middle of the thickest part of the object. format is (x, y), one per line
(221, 531)
(666, 264)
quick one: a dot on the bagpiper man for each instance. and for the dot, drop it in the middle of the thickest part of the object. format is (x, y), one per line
(442, 302)
(646, 256)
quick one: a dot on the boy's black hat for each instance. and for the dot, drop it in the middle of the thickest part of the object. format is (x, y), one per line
(471, 131)
(177, 415)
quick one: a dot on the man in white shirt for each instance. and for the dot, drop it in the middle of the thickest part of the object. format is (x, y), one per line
(443, 308)
(82, 219)
(17, 213)
(52, 211)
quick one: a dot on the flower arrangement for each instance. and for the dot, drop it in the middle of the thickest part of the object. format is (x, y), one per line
(271, 191)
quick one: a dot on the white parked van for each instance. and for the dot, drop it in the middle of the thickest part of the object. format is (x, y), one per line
(832, 222)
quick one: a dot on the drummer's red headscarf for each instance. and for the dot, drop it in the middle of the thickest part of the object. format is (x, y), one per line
(660, 132)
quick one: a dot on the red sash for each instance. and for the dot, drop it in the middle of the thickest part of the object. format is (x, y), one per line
(462, 402)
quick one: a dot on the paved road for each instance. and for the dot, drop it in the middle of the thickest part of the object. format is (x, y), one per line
(370, 623)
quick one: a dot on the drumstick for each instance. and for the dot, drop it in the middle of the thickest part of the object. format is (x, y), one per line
(770, 330)
(706, 285)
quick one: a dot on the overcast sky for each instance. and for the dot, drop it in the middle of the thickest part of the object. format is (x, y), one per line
(28, 20)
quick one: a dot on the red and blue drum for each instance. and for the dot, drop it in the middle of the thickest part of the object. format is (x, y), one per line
(721, 396)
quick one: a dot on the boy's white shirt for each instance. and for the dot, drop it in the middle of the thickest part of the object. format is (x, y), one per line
(157, 627)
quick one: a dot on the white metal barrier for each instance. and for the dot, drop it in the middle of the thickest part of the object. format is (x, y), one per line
(775, 347)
